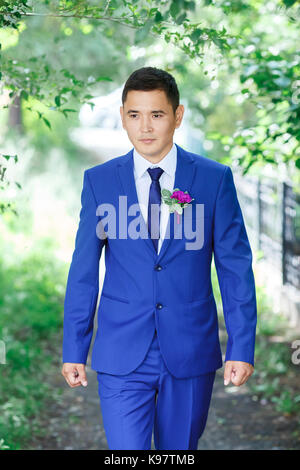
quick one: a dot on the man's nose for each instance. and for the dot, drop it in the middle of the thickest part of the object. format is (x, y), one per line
(146, 124)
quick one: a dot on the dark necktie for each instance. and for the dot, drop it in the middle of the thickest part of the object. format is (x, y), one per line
(154, 198)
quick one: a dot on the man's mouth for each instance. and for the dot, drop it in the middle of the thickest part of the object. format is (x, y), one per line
(147, 141)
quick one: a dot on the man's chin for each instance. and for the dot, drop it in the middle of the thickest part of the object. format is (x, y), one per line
(147, 149)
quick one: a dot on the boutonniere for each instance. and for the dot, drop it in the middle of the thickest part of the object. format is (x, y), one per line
(176, 200)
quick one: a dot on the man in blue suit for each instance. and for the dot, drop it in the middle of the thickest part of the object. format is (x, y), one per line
(157, 349)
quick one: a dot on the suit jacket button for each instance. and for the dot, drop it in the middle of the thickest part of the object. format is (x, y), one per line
(158, 267)
(159, 306)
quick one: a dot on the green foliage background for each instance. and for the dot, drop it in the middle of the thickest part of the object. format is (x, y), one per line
(237, 67)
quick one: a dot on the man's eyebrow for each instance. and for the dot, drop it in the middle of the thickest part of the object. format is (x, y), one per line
(154, 111)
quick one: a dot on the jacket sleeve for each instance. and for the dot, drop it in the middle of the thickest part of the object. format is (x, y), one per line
(83, 281)
(233, 261)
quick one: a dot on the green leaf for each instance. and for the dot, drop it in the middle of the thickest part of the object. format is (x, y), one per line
(24, 95)
(158, 17)
(57, 101)
(166, 193)
(175, 8)
(180, 19)
(196, 34)
(65, 90)
(108, 79)
(190, 5)
(289, 3)
(47, 122)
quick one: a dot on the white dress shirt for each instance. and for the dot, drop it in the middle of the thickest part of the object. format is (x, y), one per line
(143, 183)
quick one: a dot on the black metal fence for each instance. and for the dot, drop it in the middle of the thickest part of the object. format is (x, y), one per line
(271, 210)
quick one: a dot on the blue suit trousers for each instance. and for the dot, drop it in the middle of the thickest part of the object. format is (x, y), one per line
(151, 399)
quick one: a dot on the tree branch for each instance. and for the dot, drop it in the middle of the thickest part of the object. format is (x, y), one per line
(56, 15)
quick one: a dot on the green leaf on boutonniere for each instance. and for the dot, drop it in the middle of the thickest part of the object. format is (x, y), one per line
(175, 207)
(179, 209)
(166, 193)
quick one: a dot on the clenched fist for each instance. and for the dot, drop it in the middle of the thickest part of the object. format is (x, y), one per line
(74, 374)
(237, 372)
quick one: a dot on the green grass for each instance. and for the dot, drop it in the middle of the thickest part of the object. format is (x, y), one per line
(31, 319)
(275, 376)
(31, 299)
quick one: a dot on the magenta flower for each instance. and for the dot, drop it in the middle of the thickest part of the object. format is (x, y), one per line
(181, 196)
(177, 200)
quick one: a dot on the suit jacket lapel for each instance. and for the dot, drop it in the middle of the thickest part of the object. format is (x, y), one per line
(184, 175)
(127, 182)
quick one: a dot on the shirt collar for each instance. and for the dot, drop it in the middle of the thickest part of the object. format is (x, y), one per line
(168, 163)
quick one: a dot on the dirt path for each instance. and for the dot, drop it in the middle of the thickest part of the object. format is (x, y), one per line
(235, 422)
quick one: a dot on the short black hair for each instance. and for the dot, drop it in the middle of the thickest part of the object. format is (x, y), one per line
(152, 78)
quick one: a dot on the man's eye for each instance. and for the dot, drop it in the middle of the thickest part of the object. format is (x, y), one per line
(134, 115)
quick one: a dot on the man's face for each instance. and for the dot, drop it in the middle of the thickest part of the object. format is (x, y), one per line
(148, 118)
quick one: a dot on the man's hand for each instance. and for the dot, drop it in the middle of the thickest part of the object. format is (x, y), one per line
(237, 372)
(74, 374)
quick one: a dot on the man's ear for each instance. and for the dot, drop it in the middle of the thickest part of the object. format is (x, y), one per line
(121, 113)
(179, 114)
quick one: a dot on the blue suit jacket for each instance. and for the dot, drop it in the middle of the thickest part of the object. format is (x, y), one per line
(170, 291)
